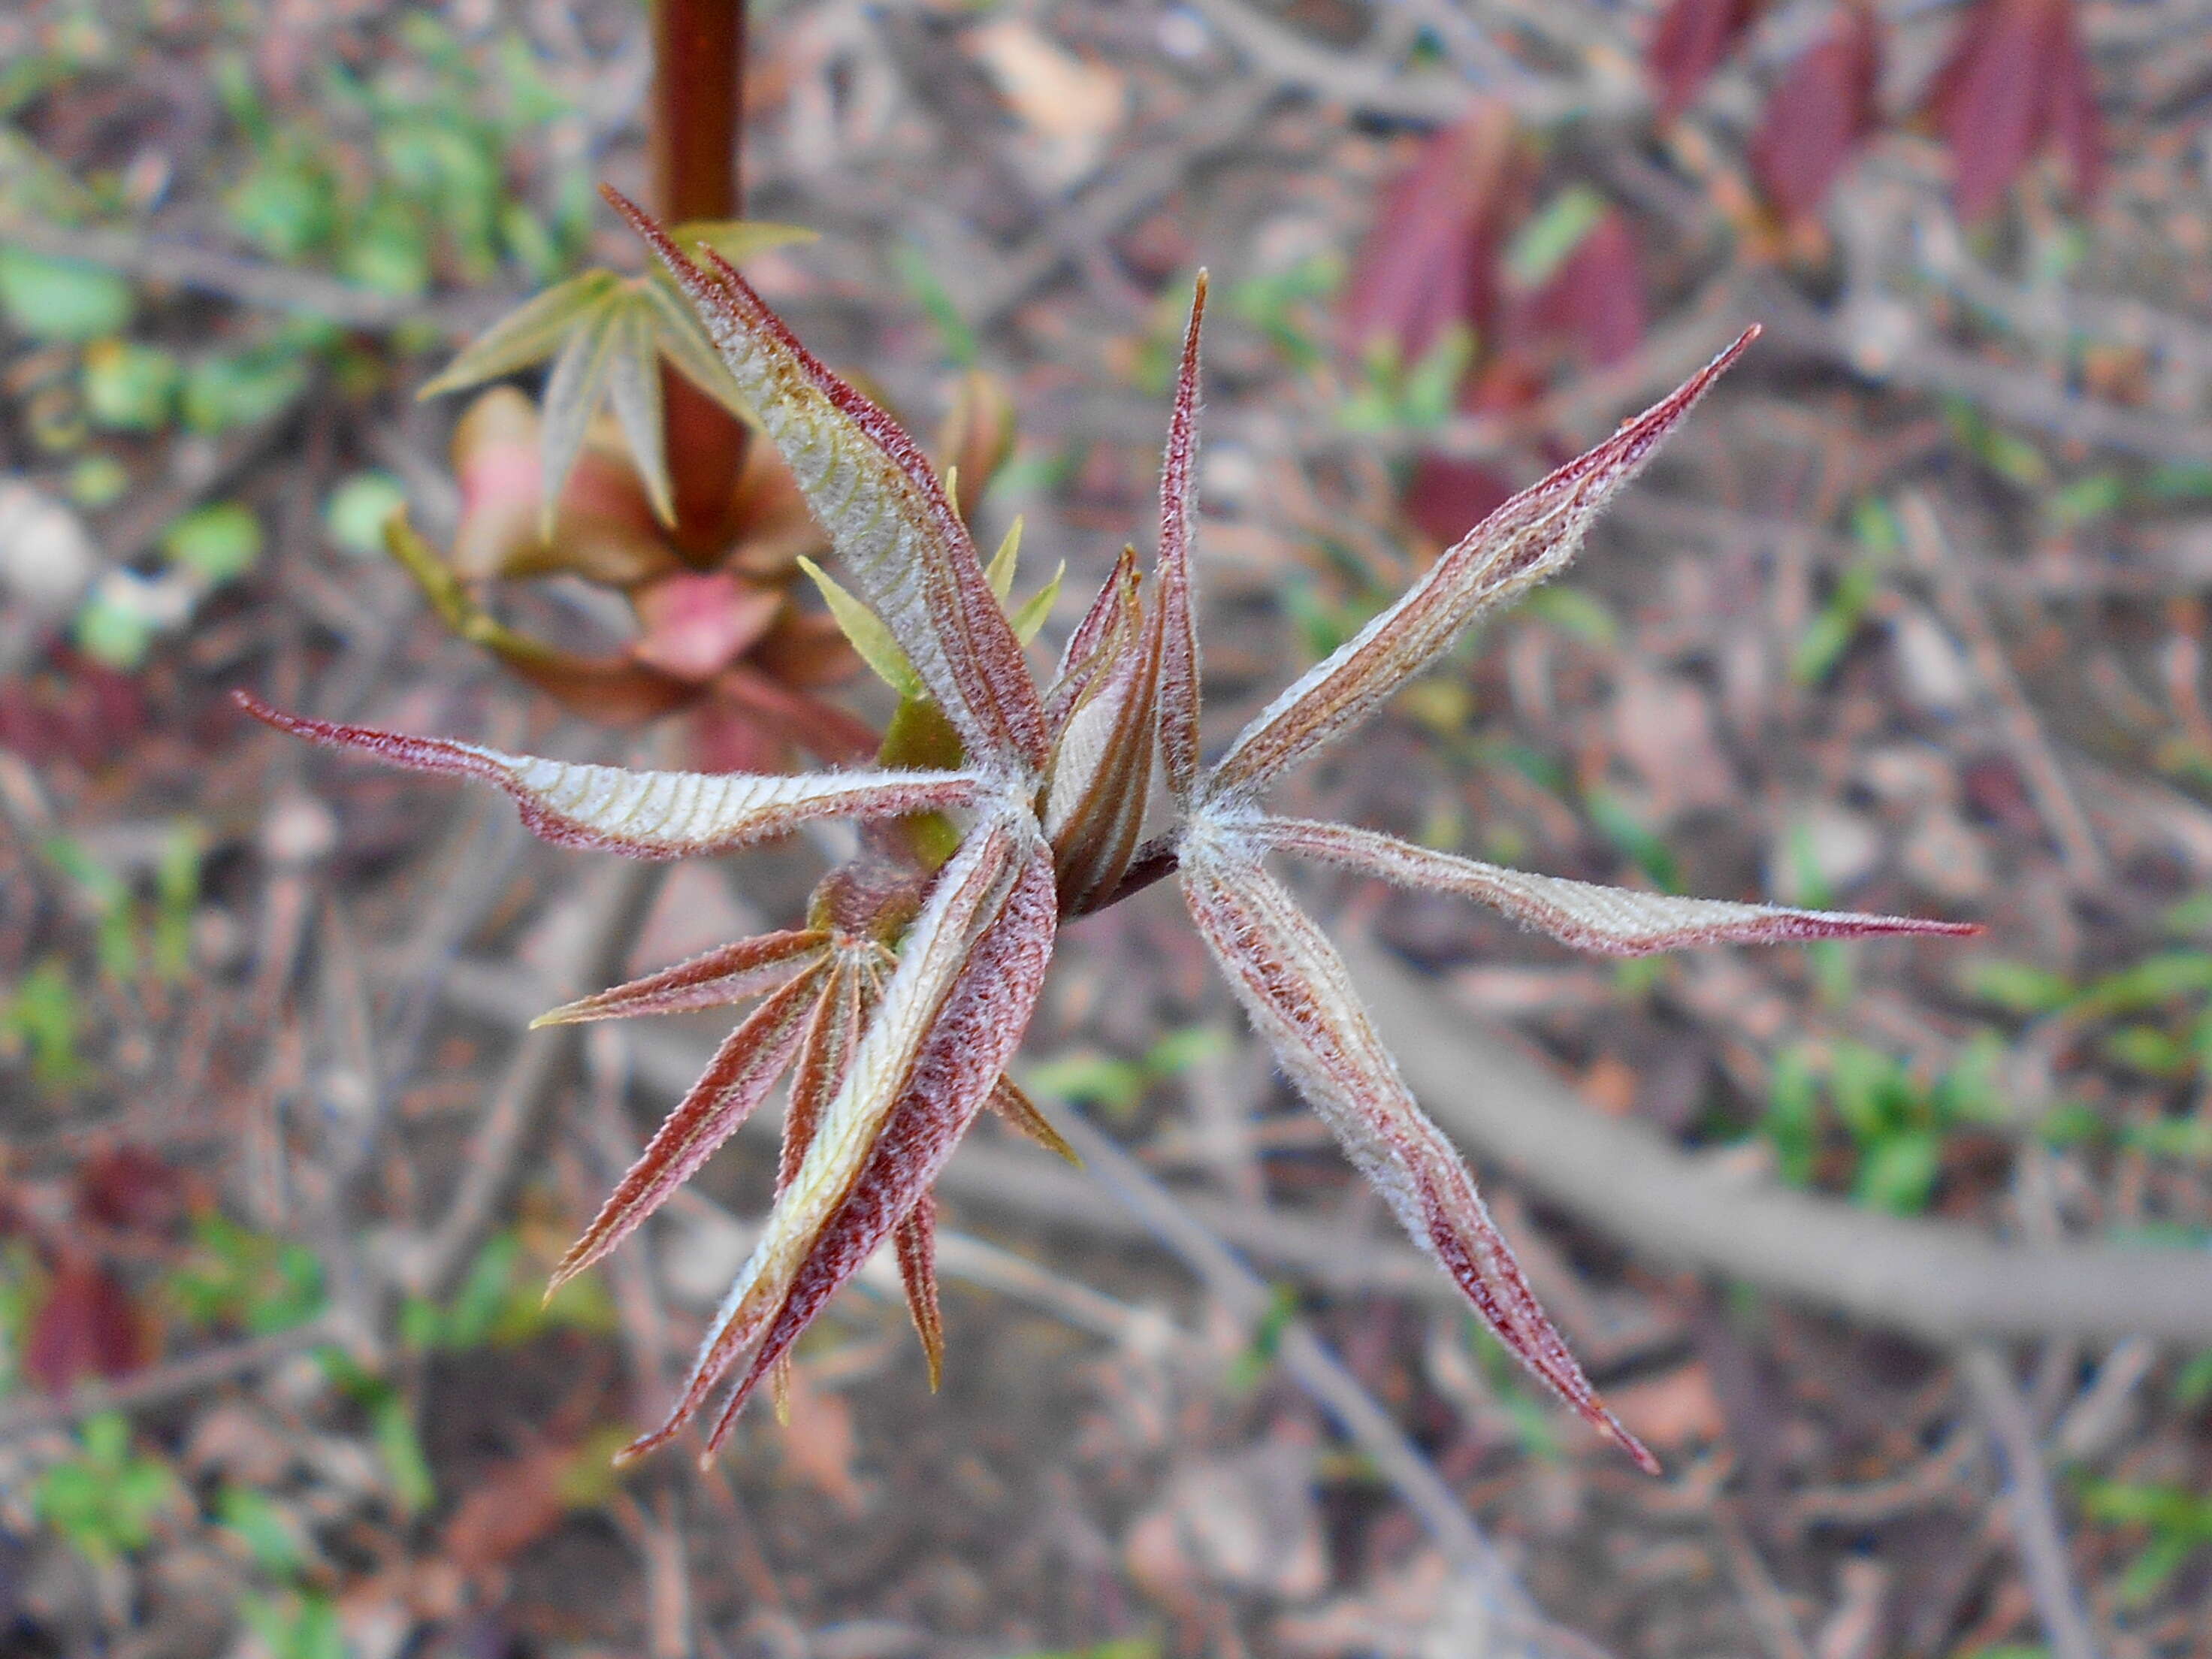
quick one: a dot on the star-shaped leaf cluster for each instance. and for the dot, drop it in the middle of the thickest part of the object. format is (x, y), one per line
(898, 1005)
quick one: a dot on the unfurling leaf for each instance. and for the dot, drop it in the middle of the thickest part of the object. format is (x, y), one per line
(1008, 1101)
(868, 634)
(1029, 619)
(915, 1240)
(885, 512)
(529, 334)
(1295, 988)
(607, 336)
(969, 973)
(744, 1069)
(737, 240)
(728, 974)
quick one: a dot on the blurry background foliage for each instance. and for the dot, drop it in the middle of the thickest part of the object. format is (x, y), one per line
(433, 161)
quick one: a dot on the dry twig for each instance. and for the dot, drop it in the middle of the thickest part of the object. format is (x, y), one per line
(2031, 751)
(159, 1384)
(432, 1264)
(2033, 1511)
(1322, 1376)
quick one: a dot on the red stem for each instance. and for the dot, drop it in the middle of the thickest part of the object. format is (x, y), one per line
(697, 125)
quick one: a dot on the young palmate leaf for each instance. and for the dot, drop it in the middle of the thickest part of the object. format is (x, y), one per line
(606, 335)
(896, 1008)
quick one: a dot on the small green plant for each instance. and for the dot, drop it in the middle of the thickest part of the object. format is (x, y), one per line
(129, 387)
(141, 939)
(1396, 396)
(393, 177)
(359, 508)
(298, 1620)
(60, 301)
(270, 1536)
(105, 1500)
(43, 1020)
(1893, 1124)
(299, 1625)
(1830, 634)
(2007, 455)
(1250, 1368)
(2153, 1018)
(1117, 1086)
(1635, 840)
(391, 1426)
(498, 1304)
(201, 551)
(236, 1278)
(2177, 1519)
(1290, 306)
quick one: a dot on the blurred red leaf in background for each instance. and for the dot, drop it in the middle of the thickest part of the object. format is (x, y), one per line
(1590, 307)
(84, 1325)
(1431, 258)
(1446, 494)
(1693, 38)
(1822, 110)
(1443, 251)
(1587, 312)
(2017, 79)
(130, 1189)
(67, 706)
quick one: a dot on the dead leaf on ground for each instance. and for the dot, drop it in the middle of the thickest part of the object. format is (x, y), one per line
(1421, 1610)
(1672, 1412)
(1246, 1522)
(817, 1444)
(509, 1509)
(1071, 107)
